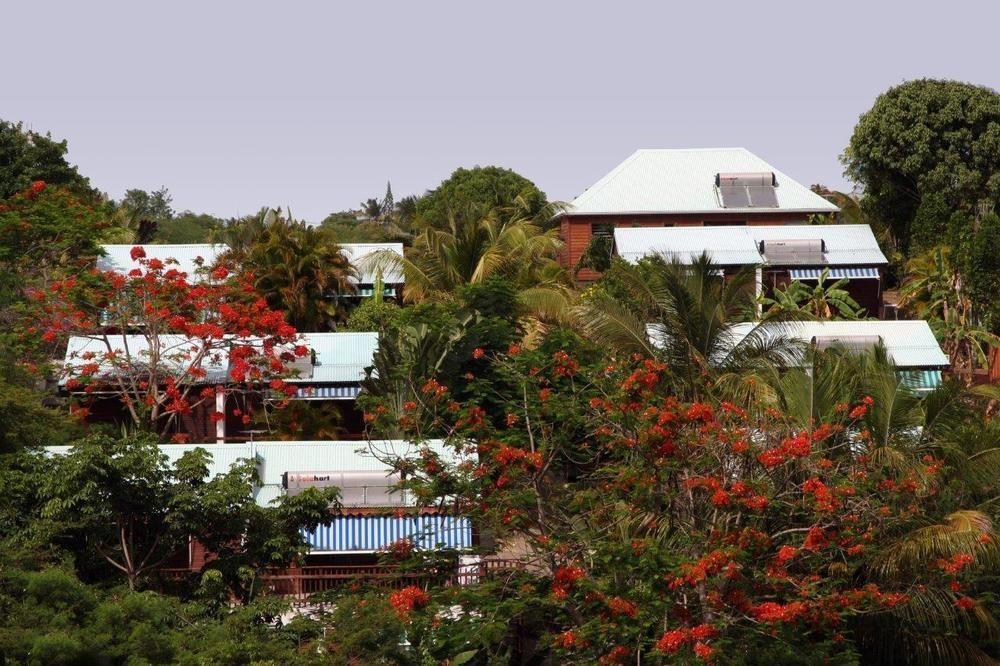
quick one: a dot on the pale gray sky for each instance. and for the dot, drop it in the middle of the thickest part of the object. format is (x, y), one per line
(234, 105)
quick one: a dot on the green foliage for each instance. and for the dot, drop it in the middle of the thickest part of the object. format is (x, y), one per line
(471, 194)
(115, 500)
(982, 268)
(693, 310)
(598, 255)
(45, 233)
(930, 223)
(188, 227)
(373, 314)
(620, 499)
(27, 156)
(26, 424)
(472, 250)
(922, 138)
(51, 617)
(297, 268)
(346, 228)
(819, 301)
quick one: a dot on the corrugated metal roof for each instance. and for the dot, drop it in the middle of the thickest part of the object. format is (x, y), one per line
(361, 256)
(683, 181)
(910, 344)
(340, 357)
(118, 258)
(727, 246)
(176, 353)
(846, 244)
(276, 458)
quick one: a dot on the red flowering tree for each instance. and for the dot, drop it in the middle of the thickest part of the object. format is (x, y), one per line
(163, 342)
(637, 527)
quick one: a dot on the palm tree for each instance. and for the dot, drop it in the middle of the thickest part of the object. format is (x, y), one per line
(691, 311)
(934, 291)
(297, 269)
(471, 252)
(821, 301)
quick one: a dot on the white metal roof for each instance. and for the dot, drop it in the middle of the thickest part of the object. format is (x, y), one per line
(276, 458)
(727, 246)
(910, 344)
(683, 181)
(361, 256)
(118, 258)
(176, 353)
(340, 357)
(846, 244)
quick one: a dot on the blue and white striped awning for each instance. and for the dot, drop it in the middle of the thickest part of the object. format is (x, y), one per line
(328, 392)
(372, 532)
(834, 273)
(920, 381)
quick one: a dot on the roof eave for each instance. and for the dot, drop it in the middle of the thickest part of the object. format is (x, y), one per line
(706, 211)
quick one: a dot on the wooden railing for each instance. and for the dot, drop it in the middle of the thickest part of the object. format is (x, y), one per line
(303, 582)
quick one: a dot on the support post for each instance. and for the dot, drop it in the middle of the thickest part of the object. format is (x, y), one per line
(220, 425)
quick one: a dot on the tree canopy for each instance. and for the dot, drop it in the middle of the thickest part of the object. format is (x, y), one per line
(473, 193)
(927, 144)
(27, 156)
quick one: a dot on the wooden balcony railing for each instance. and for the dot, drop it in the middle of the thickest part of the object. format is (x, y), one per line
(303, 582)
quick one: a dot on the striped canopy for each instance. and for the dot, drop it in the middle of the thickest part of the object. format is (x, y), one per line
(834, 273)
(920, 381)
(368, 533)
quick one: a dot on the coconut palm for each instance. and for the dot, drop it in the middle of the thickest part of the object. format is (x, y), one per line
(473, 251)
(691, 312)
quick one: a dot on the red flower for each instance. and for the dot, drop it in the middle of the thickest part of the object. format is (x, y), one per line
(672, 641)
(619, 606)
(408, 599)
(787, 554)
(702, 651)
(217, 416)
(478, 353)
(965, 603)
(618, 655)
(220, 273)
(37, 186)
(137, 253)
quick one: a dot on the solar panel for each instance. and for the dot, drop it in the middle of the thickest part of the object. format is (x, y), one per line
(763, 196)
(734, 196)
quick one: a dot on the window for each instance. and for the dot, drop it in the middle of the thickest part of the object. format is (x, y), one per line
(607, 230)
(725, 223)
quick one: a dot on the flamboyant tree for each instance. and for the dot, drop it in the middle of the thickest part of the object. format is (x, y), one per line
(646, 528)
(163, 342)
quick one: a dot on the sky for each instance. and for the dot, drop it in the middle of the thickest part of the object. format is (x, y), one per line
(315, 105)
